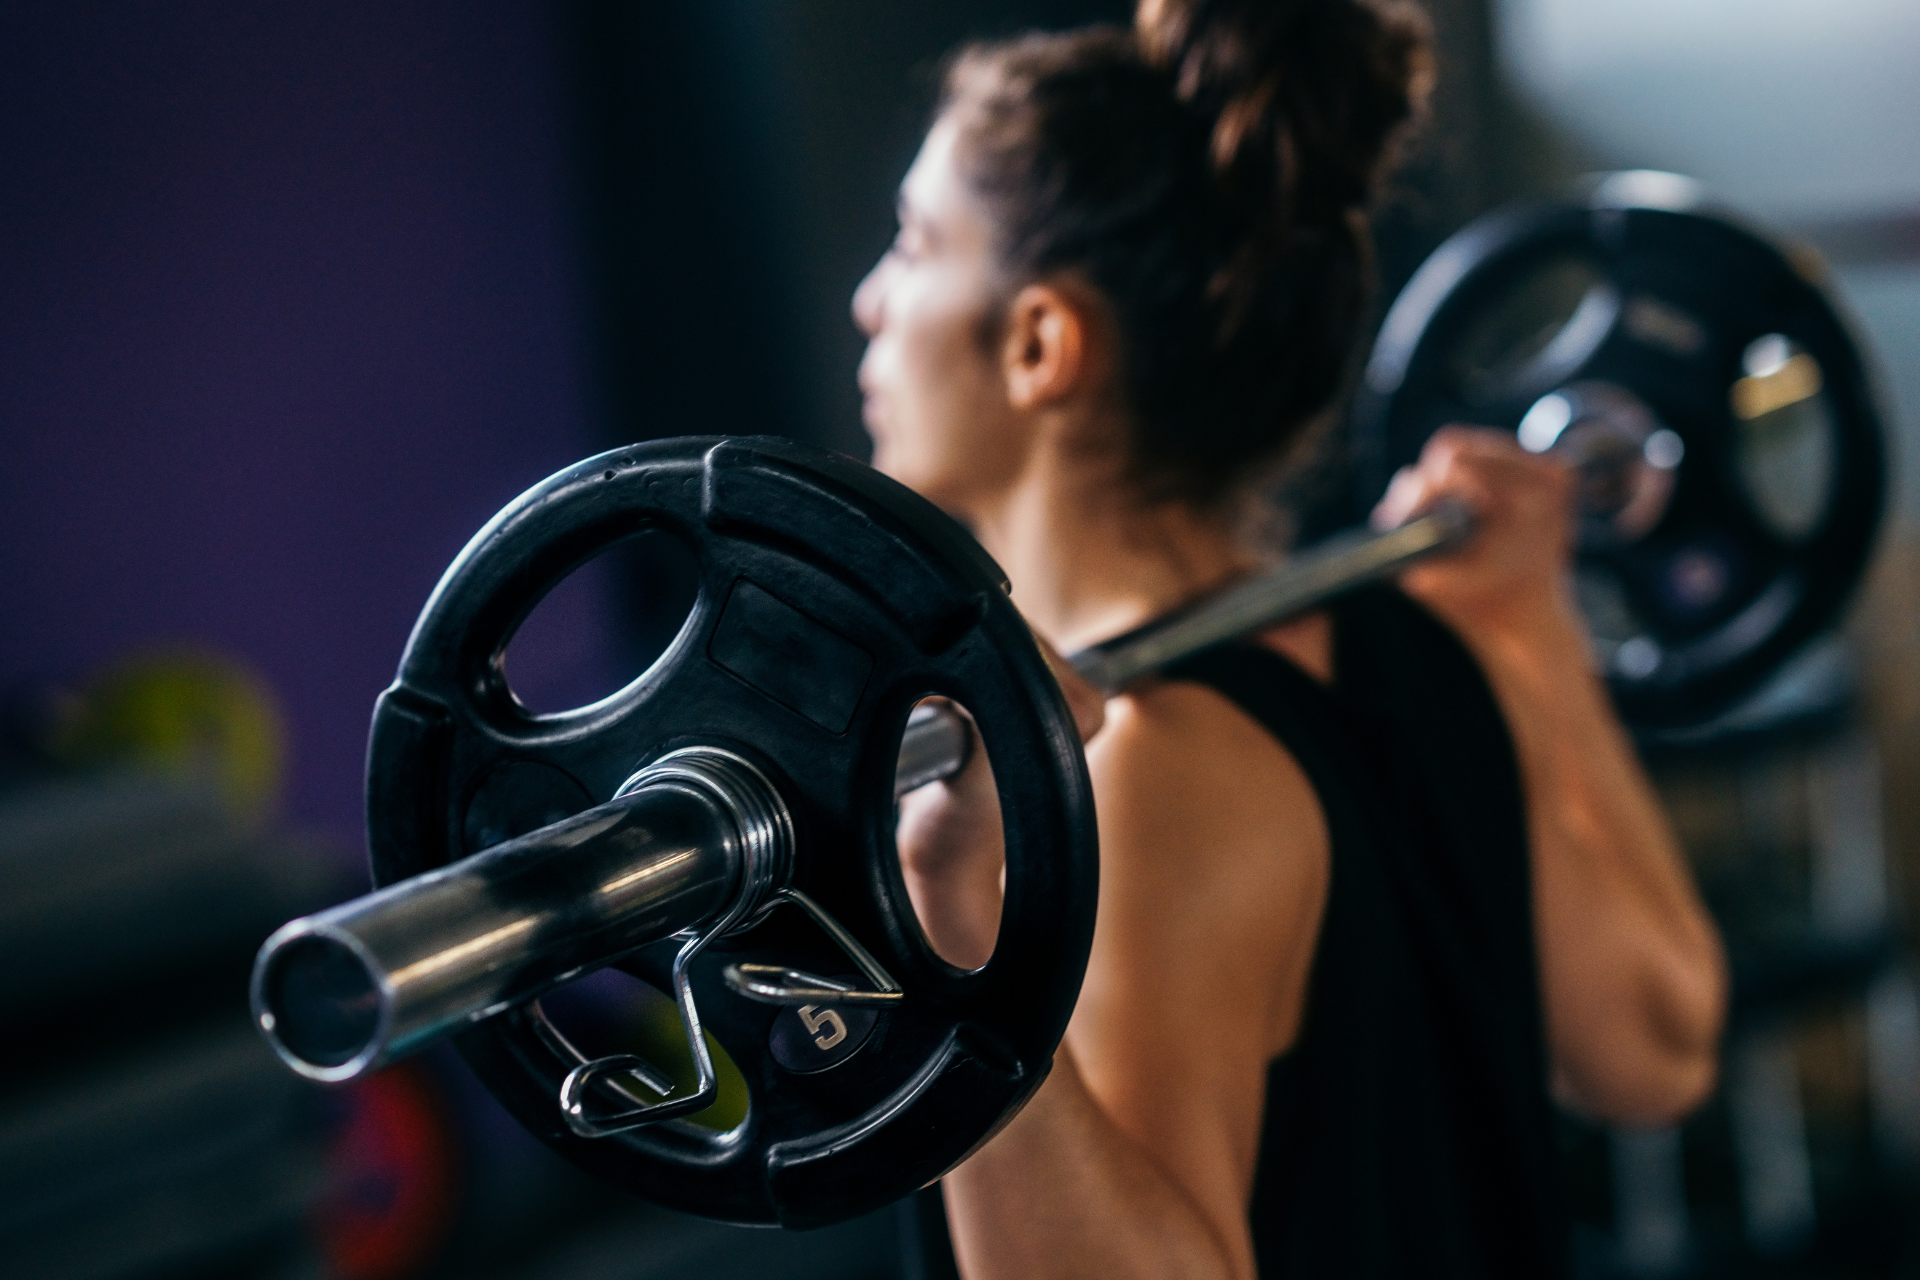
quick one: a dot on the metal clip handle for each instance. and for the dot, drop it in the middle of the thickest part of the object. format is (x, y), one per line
(778, 984)
(573, 1090)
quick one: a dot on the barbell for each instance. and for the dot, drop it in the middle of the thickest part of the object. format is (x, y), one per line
(722, 827)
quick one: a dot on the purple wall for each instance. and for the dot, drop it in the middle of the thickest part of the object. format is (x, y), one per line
(289, 305)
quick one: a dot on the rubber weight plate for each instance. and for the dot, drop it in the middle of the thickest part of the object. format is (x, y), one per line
(831, 599)
(1716, 351)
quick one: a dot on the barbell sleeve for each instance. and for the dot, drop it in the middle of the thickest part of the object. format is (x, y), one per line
(937, 738)
(341, 992)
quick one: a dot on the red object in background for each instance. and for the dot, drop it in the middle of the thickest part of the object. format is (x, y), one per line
(391, 1178)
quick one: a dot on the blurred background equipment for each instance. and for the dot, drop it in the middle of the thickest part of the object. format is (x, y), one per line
(294, 298)
(1638, 325)
(144, 1132)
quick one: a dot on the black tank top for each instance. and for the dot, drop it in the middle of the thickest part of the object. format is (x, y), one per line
(1407, 1133)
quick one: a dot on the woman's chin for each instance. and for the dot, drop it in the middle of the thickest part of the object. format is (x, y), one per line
(890, 460)
(916, 470)
(885, 460)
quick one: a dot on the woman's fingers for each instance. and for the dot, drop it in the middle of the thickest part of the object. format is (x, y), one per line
(1522, 504)
(1406, 497)
(1488, 471)
(1456, 462)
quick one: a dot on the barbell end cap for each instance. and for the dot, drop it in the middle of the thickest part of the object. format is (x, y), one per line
(309, 944)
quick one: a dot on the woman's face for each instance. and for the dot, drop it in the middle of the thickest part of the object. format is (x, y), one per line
(935, 398)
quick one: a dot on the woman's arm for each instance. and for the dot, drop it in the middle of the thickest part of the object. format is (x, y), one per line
(1631, 965)
(1136, 1157)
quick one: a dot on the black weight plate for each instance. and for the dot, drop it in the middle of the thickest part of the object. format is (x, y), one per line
(831, 599)
(1640, 286)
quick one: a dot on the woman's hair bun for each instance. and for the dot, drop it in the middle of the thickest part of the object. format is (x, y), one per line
(1208, 172)
(1305, 98)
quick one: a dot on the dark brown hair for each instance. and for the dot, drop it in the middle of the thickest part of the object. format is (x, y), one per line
(1209, 173)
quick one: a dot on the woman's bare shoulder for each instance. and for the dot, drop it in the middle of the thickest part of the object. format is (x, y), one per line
(1174, 748)
(1214, 851)
(1213, 876)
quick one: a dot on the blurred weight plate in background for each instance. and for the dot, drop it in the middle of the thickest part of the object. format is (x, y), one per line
(1637, 318)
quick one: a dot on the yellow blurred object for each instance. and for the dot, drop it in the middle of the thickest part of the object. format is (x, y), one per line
(187, 712)
(1794, 380)
(658, 1036)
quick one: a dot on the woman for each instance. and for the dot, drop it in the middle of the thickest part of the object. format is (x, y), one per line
(1371, 882)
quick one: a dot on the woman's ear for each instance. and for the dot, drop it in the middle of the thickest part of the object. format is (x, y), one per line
(1045, 354)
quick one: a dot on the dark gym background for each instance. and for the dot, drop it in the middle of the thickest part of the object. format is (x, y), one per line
(292, 298)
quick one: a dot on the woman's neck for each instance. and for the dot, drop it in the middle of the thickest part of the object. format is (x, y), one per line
(1088, 561)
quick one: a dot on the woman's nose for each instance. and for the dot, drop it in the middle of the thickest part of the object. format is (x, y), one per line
(866, 301)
